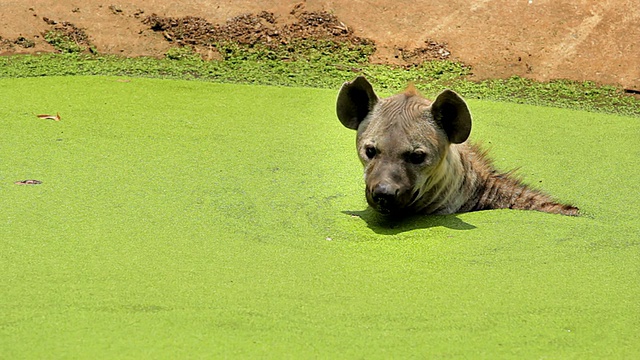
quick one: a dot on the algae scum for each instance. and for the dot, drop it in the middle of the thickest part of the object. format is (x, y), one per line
(180, 218)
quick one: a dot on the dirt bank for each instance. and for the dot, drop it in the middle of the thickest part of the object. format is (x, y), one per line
(597, 40)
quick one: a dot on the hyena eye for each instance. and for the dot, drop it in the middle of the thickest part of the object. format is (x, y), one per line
(370, 151)
(417, 157)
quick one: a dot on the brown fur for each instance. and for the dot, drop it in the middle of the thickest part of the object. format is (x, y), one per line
(417, 159)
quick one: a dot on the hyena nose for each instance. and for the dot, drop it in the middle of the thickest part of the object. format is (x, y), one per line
(384, 195)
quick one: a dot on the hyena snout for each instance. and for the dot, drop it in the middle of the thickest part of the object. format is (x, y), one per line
(388, 197)
(384, 195)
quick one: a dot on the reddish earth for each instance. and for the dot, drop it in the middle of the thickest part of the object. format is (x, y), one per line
(597, 40)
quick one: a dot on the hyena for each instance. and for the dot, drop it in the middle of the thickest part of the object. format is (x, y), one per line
(417, 158)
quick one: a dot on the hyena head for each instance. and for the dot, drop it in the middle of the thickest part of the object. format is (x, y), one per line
(402, 141)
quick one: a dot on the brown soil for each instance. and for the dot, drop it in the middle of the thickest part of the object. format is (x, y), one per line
(250, 29)
(597, 40)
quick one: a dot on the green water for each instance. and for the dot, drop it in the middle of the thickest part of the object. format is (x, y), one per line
(182, 219)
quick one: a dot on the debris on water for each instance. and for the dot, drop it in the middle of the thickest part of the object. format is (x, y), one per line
(55, 117)
(28, 182)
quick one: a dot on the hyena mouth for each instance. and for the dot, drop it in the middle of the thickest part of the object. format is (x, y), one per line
(390, 203)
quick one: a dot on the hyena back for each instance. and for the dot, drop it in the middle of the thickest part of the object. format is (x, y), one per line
(417, 159)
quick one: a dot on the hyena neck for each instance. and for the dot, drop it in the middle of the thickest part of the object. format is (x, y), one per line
(483, 187)
(466, 180)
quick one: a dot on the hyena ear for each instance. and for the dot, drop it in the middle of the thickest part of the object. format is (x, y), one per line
(355, 100)
(452, 114)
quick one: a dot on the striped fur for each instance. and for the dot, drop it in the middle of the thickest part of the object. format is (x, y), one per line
(417, 159)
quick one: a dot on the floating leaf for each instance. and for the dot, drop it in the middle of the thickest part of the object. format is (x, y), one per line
(28, 182)
(55, 117)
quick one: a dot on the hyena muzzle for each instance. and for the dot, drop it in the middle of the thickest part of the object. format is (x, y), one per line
(417, 159)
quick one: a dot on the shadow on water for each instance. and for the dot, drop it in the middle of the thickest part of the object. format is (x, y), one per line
(389, 225)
